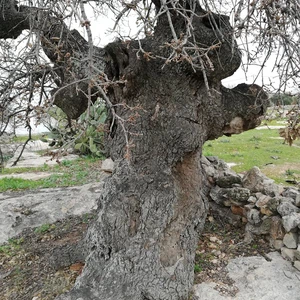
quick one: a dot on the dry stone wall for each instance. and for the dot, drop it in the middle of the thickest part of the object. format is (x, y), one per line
(255, 201)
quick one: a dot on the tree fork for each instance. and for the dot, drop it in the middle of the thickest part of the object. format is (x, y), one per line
(153, 208)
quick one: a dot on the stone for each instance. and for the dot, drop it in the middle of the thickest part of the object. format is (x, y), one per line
(253, 216)
(273, 204)
(297, 200)
(297, 265)
(107, 165)
(228, 179)
(237, 210)
(277, 244)
(19, 210)
(237, 194)
(225, 214)
(213, 239)
(265, 211)
(216, 194)
(291, 193)
(256, 181)
(286, 208)
(262, 200)
(209, 170)
(252, 199)
(255, 278)
(263, 228)
(288, 254)
(286, 199)
(297, 253)
(290, 240)
(277, 231)
(291, 221)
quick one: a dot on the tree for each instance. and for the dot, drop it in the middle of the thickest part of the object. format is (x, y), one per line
(165, 99)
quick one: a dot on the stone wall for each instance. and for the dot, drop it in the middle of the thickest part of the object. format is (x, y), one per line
(257, 202)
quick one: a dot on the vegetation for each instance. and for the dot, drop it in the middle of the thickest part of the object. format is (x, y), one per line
(44, 228)
(262, 148)
(12, 247)
(67, 173)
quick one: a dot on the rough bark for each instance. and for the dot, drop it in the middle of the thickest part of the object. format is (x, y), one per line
(152, 211)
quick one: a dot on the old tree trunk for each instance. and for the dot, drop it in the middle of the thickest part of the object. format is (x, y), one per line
(152, 210)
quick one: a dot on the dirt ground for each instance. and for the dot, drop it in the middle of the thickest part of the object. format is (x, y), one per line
(27, 272)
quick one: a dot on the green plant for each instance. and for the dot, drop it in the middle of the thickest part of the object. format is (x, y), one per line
(11, 247)
(89, 142)
(289, 172)
(197, 268)
(44, 228)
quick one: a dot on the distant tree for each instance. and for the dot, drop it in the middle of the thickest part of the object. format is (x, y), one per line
(162, 88)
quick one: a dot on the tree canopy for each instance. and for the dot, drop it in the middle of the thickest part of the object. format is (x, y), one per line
(44, 58)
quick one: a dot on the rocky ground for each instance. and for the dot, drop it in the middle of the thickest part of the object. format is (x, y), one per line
(28, 270)
(219, 244)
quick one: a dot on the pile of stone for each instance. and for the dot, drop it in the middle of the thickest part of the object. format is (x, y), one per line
(255, 201)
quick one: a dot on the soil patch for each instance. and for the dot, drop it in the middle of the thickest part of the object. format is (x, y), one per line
(219, 243)
(27, 272)
(26, 268)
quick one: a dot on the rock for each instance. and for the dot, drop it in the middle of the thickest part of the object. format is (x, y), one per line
(273, 204)
(237, 210)
(19, 210)
(288, 254)
(252, 199)
(265, 211)
(297, 200)
(286, 199)
(255, 279)
(107, 165)
(225, 214)
(253, 216)
(262, 200)
(290, 240)
(291, 221)
(216, 194)
(286, 208)
(297, 265)
(228, 179)
(256, 181)
(297, 253)
(291, 193)
(209, 170)
(277, 231)
(235, 195)
(277, 244)
(263, 228)
(214, 239)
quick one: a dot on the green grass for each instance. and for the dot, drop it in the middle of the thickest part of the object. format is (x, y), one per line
(44, 228)
(12, 247)
(256, 148)
(24, 138)
(67, 173)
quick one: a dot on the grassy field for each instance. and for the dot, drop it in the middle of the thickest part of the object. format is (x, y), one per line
(67, 173)
(262, 148)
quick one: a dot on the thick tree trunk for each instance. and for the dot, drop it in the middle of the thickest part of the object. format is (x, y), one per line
(152, 212)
